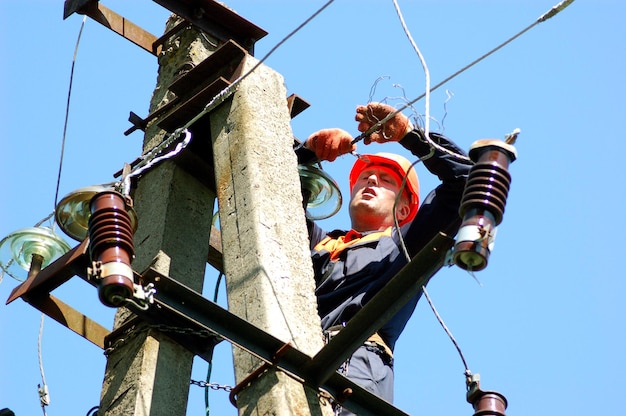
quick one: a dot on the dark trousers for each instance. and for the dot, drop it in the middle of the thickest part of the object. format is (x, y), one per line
(370, 368)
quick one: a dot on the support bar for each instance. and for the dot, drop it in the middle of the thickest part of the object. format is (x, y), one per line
(109, 19)
(71, 319)
(175, 305)
(382, 307)
(178, 307)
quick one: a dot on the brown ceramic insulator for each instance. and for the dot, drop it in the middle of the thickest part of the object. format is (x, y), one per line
(111, 246)
(489, 403)
(483, 203)
(487, 187)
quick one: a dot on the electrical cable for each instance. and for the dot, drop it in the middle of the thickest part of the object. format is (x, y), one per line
(149, 162)
(67, 112)
(44, 397)
(552, 12)
(404, 180)
(222, 94)
(424, 291)
(424, 66)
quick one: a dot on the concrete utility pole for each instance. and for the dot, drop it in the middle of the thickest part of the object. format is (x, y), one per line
(148, 373)
(264, 239)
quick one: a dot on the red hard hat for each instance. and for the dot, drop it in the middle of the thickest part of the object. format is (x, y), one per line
(398, 164)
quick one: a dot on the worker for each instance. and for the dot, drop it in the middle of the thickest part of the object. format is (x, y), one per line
(352, 265)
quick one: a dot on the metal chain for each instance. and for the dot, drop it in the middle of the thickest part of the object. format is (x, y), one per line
(130, 334)
(212, 386)
(203, 333)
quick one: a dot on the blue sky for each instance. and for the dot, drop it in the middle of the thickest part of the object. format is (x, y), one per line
(545, 326)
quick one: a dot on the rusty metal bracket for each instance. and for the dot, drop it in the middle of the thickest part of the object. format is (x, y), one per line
(296, 105)
(36, 291)
(137, 122)
(257, 373)
(485, 403)
(177, 307)
(207, 15)
(217, 20)
(111, 20)
(198, 86)
(195, 88)
(382, 307)
(174, 302)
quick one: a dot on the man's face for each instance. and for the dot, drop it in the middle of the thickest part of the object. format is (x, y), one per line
(373, 197)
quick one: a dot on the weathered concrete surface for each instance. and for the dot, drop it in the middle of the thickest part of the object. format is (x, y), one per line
(265, 244)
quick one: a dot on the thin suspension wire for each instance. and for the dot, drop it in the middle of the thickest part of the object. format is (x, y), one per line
(427, 135)
(43, 377)
(549, 14)
(424, 66)
(293, 32)
(67, 112)
(226, 90)
(445, 328)
(424, 291)
(210, 367)
(43, 389)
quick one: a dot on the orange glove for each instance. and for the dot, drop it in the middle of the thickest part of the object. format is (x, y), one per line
(392, 130)
(330, 143)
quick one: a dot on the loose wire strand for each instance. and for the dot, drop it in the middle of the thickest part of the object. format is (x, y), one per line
(549, 14)
(374, 85)
(449, 95)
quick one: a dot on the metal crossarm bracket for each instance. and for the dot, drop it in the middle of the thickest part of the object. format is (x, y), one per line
(36, 291)
(382, 307)
(111, 20)
(207, 15)
(217, 20)
(175, 304)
